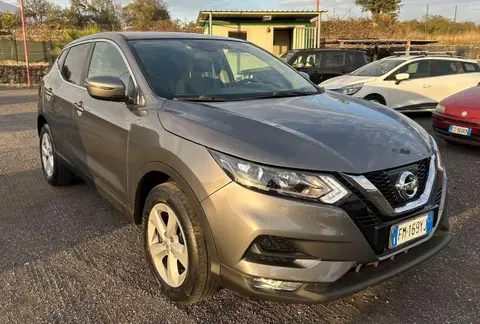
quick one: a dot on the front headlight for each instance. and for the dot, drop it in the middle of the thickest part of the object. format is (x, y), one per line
(440, 109)
(438, 156)
(291, 183)
(351, 90)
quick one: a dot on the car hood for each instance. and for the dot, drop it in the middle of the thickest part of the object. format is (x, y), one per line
(325, 132)
(345, 80)
(465, 104)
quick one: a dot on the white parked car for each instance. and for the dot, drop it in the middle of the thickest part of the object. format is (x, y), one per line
(408, 83)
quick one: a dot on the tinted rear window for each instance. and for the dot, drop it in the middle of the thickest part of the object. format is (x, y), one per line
(445, 68)
(74, 63)
(337, 59)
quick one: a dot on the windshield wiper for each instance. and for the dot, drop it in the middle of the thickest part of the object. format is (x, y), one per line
(283, 94)
(202, 98)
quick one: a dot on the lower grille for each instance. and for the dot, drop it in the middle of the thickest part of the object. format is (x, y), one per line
(275, 244)
(271, 260)
(274, 250)
(438, 198)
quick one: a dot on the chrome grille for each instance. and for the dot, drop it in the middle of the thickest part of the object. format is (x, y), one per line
(385, 181)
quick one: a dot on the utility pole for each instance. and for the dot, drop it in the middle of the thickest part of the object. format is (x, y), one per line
(426, 20)
(317, 8)
(25, 48)
(454, 24)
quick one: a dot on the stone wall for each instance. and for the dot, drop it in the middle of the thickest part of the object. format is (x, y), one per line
(17, 74)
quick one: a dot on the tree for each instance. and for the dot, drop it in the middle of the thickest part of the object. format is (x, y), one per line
(55, 16)
(377, 7)
(35, 10)
(105, 13)
(142, 14)
(8, 20)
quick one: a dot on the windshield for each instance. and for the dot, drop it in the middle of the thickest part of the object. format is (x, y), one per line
(287, 56)
(215, 69)
(377, 68)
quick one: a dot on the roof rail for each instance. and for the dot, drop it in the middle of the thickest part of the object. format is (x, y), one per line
(425, 53)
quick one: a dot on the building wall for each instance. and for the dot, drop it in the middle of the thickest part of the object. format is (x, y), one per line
(256, 33)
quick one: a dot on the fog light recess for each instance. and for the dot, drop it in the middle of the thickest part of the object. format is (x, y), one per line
(270, 284)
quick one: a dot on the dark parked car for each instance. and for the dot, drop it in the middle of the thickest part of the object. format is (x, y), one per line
(323, 64)
(264, 184)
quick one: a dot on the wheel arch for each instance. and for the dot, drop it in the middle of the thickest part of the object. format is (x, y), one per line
(155, 173)
(376, 96)
(41, 120)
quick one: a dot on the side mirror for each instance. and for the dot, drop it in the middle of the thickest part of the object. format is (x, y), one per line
(305, 75)
(107, 88)
(402, 77)
(299, 65)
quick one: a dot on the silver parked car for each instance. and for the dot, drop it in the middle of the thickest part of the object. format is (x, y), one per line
(245, 174)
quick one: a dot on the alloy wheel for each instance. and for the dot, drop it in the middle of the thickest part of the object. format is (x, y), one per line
(167, 246)
(47, 154)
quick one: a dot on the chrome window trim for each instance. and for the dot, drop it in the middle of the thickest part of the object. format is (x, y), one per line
(137, 99)
(376, 197)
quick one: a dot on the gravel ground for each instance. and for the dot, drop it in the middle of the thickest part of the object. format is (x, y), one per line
(66, 255)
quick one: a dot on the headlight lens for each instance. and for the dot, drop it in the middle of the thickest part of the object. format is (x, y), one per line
(291, 183)
(440, 108)
(351, 90)
(438, 156)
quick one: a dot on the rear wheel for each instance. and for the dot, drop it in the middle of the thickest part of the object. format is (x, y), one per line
(54, 171)
(175, 245)
(376, 98)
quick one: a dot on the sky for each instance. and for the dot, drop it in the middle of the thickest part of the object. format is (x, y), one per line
(468, 10)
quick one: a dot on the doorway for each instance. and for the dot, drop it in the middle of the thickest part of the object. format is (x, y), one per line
(282, 40)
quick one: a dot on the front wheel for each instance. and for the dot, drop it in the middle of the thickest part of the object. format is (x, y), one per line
(54, 171)
(175, 245)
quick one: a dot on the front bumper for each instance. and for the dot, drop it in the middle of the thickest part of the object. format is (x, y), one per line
(331, 248)
(442, 122)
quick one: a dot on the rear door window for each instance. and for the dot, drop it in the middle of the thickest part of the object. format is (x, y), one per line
(470, 67)
(444, 67)
(334, 59)
(72, 69)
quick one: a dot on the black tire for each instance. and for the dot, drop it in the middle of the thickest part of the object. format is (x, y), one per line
(199, 282)
(61, 175)
(376, 98)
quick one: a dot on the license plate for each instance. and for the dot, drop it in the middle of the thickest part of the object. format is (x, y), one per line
(460, 130)
(410, 230)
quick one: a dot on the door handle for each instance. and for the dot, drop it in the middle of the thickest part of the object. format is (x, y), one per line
(49, 91)
(79, 108)
(426, 86)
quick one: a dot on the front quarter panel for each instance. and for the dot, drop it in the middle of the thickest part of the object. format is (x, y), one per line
(149, 142)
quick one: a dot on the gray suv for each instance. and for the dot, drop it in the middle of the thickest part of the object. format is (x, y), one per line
(244, 174)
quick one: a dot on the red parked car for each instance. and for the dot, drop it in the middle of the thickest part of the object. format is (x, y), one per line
(457, 118)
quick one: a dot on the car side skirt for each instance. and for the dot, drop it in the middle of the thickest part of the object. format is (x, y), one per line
(418, 108)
